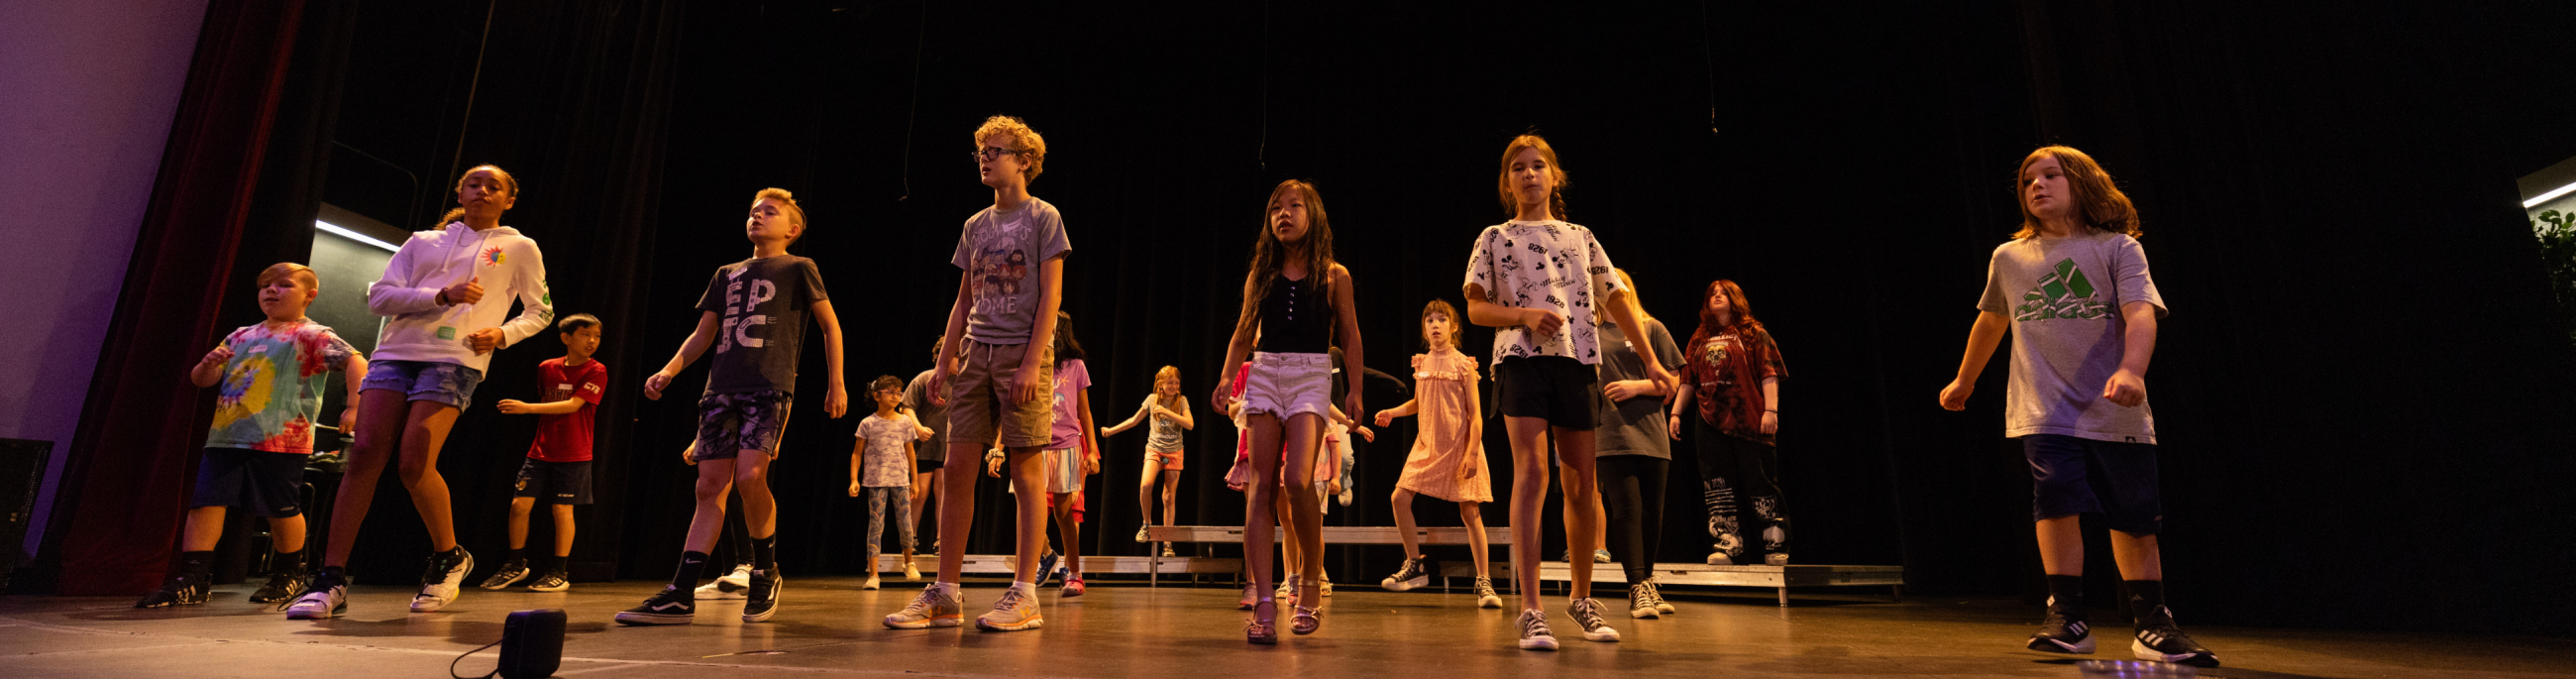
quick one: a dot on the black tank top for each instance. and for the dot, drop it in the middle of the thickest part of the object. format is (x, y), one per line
(1295, 319)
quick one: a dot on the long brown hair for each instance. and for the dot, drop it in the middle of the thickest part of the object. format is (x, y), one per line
(2098, 201)
(1555, 195)
(1743, 324)
(459, 211)
(1269, 255)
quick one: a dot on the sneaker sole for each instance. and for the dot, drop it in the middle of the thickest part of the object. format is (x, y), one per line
(534, 588)
(2194, 659)
(777, 593)
(1539, 644)
(505, 584)
(938, 621)
(1029, 624)
(455, 581)
(2084, 647)
(318, 615)
(1610, 637)
(1393, 585)
(1490, 602)
(634, 618)
(1647, 613)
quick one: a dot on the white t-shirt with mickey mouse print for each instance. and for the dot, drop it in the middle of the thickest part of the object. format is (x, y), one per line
(1544, 265)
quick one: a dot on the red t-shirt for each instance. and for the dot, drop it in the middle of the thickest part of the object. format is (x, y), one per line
(1725, 373)
(566, 438)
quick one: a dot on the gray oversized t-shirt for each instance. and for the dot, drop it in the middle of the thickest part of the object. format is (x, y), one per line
(760, 304)
(1634, 426)
(2064, 297)
(916, 395)
(1000, 252)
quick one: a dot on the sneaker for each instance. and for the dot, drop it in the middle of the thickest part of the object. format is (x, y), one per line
(1410, 576)
(1601, 556)
(2162, 641)
(933, 608)
(911, 573)
(1587, 615)
(1014, 612)
(734, 585)
(1720, 559)
(184, 589)
(1661, 606)
(2060, 634)
(1073, 589)
(1167, 550)
(1775, 559)
(439, 583)
(1534, 633)
(1140, 532)
(671, 606)
(282, 586)
(552, 581)
(1046, 568)
(511, 573)
(1246, 603)
(325, 595)
(871, 583)
(766, 585)
(1641, 602)
(1485, 596)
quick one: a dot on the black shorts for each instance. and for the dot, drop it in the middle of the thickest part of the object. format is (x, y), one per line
(1561, 390)
(2074, 476)
(563, 483)
(925, 465)
(265, 483)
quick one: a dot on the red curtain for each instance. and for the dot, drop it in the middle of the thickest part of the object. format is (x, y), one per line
(140, 427)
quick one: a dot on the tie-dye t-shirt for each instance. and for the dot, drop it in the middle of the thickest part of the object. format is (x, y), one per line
(272, 388)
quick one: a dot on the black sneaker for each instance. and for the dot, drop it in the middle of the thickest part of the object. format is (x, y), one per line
(671, 606)
(282, 585)
(1410, 576)
(511, 573)
(440, 581)
(2061, 634)
(765, 586)
(184, 589)
(1046, 568)
(2166, 643)
(552, 581)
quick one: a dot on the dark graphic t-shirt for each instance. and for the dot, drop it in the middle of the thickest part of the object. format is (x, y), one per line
(1725, 373)
(760, 306)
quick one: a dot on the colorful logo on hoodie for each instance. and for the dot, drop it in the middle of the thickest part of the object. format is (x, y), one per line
(492, 256)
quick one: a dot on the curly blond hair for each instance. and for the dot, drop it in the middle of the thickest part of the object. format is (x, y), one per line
(1024, 141)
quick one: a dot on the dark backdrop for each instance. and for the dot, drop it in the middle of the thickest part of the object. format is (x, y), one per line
(2359, 429)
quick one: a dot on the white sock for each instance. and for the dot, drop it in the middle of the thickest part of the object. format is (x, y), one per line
(1025, 587)
(944, 587)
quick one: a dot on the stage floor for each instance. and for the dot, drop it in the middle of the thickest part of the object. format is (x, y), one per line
(829, 626)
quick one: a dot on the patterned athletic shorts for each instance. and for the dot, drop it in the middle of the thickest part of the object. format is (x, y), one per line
(731, 423)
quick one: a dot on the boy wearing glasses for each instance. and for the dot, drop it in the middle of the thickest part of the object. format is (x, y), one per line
(1012, 255)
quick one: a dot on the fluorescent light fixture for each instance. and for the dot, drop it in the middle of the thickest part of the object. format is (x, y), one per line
(2551, 195)
(389, 247)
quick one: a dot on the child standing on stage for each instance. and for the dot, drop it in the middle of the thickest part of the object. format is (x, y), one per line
(1448, 458)
(882, 469)
(2073, 288)
(271, 376)
(1072, 453)
(1734, 373)
(1633, 452)
(929, 453)
(1012, 255)
(438, 337)
(1296, 299)
(1169, 414)
(1538, 281)
(753, 315)
(558, 465)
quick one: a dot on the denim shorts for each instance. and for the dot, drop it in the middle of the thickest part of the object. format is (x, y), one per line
(2117, 480)
(447, 383)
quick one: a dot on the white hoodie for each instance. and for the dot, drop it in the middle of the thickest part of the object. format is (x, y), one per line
(418, 329)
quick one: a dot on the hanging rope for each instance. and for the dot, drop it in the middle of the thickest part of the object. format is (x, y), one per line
(471, 86)
(1708, 54)
(1262, 156)
(920, 36)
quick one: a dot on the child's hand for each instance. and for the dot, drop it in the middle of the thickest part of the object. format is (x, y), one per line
(993, 466)
(512, 406)
(1365, 435)
(2125, 388)
(1621, 390)
(1025, 386)
(221, 355)
(1955, 396)
(938, 391)
(854, 489)
(1104, 432)
(1333, 487)
(484, 341)
(349, 421)
(1351, 404)
(468, 292)
(1090, 466)
(1673, 426)
(654, 385)
(690, 455)
(1771, 422)
(836, 402)
(1543, 321)
(1385, 417)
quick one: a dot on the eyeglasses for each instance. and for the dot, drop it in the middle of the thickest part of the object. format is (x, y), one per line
(989, 153)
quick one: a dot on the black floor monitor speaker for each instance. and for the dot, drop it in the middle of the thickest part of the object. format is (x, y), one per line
(532, 643)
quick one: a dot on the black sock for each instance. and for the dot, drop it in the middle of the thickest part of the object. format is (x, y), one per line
(2147, 603)
(517, 554)
(2066, 596)
(199, 564)
(560, 562)
(290, 562)
(330, 575)
(690, 564)
(764, 553)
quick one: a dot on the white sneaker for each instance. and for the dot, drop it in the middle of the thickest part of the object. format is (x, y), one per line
(871, 583)
(734, 585)
(910, 572)
(320, 601)
(1719, 559)
(438, 586)
(1775, 559)
(1587, 616)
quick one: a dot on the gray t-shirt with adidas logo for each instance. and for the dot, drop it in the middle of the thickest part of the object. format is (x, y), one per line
(2064, 297)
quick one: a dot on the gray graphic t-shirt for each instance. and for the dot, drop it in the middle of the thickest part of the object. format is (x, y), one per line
(760, 305)
(1634, 426)
(2064, 297)
(1000, 252)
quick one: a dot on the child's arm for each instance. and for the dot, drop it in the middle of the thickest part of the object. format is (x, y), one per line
(858, 458)
(1050, 297)
(689, 351)
(1771, 397)
(1681, 404)
(1982, 338)
(1141, 410)
(939, 374)
(1347, 307)
(2128, 387)
(1623, 311)
(1475, 414)
(354, 376)
(1182, 416)
(517, 407)
(1236, 350)
(1090, 443)
(838, 401)
(210, 369)
(536, 309)
(1491, 315)
(1387, 416)
(396, 293)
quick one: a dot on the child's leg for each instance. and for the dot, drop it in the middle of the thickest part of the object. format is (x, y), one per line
(1582, 502)
(1760, 467)
(1717, 471)
(1145, 486)
(1472, 514)
(920, 493)
(1305, 434)
(204, 530)
(286, 534)
(876, 523)
(1071, 528)
(2138, 555)
(1403, 502)
(1029, 488)
(563, 534)
(1622, 495)
(715, 479)
(955, 517)
(1292, 552)
(380, 425)
(903, 520)
(1261, 514)
(425, 430)
(520, 507)
(1529, 501)
(1171, 490)
(759, 508)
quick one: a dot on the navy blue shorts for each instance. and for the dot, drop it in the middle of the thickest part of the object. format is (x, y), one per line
(2073, 476)
(264, 483)
(563, 483)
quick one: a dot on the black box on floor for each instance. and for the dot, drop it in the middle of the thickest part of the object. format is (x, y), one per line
(532, 643)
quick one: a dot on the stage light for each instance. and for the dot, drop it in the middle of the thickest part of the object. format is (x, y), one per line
(2546, 197)
(389, 247)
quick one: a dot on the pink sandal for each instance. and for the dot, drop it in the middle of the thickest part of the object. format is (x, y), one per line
(1260, 630)
(1306, 620)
